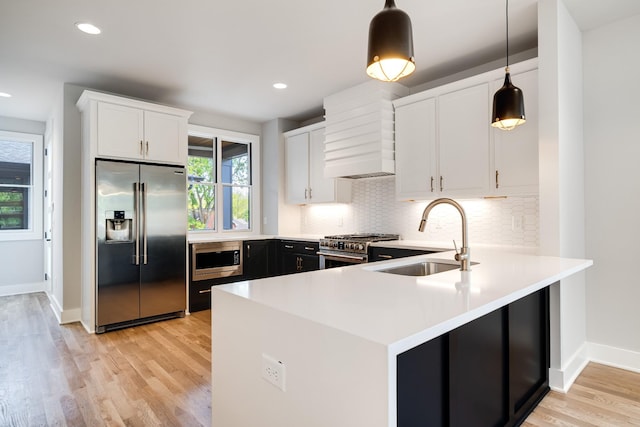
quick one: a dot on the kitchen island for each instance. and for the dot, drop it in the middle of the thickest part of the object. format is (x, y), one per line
(337, 344)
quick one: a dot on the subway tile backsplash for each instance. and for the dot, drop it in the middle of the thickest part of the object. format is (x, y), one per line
(511, 221)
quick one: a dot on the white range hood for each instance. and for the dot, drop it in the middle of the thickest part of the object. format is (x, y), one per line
(359, 133)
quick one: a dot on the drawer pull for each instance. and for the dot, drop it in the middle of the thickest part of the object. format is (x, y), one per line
(288, 246)
(206, 291)
(309, 249)
(385, 256)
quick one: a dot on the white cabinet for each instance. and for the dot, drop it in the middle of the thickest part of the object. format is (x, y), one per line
(516, 151)
(136, 130)
(416, 162)
(463, 141)
(445, 145)
(448, 156)
(305, 181)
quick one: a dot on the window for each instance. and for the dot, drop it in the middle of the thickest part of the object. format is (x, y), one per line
(223, 190)
(20, 186)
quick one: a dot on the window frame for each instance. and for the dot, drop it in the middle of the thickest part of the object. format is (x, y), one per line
(35, 202)
(219, 135)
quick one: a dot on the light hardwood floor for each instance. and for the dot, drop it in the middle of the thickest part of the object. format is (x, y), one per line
(160, 375)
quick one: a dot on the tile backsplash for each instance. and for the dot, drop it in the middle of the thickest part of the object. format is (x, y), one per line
(511, 221)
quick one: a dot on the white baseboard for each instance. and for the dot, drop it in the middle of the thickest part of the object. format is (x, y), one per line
(616, 357)
(23, 288)
(562, 379)
(63, 316)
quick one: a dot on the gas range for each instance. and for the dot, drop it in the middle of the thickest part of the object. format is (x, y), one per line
(352, 245)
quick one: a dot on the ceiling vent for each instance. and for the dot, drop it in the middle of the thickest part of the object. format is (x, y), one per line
(359, 133)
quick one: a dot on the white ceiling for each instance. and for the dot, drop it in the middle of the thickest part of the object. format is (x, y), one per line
(223, 57)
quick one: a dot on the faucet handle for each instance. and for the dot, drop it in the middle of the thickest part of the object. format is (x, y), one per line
(455, 247)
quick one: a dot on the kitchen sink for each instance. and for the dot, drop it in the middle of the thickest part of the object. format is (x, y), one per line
(422, 268)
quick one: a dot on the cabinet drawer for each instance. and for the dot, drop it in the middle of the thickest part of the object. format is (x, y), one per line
(381, 254)
(299, 247)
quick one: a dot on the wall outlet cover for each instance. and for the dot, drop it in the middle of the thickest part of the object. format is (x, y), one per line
(273, 371)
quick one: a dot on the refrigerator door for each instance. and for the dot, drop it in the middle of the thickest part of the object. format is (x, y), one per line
(118, 276)
(163, 240)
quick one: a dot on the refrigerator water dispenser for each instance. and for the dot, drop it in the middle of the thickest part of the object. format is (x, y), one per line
(119, 226)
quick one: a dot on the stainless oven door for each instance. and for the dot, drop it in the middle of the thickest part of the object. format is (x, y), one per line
(332, 260)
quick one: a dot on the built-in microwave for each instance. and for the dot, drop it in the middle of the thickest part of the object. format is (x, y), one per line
(212, 260)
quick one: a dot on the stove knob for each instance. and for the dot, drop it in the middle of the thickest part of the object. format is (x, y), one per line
(361, 247)
(349, 246)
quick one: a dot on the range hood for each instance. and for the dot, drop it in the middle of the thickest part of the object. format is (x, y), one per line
(359, 132)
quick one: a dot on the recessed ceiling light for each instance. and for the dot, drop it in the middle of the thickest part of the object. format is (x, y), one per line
(5, 95)
(280, 85)
(85, 27)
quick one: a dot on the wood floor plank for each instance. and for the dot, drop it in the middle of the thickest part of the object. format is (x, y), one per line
(160, 375)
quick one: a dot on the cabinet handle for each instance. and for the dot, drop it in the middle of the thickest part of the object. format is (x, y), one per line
(248, 251)
(305, 193)
(432, 184)
(298, 263)
(309, 248)
(310, 196)
(141, 148)
(441, 180)
(385, 256)
(288, 246)
(206, 291)
(147, 148)
(497, 179)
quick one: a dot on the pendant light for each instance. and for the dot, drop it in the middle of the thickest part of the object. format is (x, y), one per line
(508, 102)
(390, 55)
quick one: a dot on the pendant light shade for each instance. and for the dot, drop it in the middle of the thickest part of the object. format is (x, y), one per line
(508, 105)
(390, 55)
(508, 101)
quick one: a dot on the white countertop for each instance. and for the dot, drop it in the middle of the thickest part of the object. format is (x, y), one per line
(401, 312)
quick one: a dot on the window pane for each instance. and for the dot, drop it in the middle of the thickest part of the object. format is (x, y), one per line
(201, 163)
(235, 163)
(201, 201)
(15, 162)
(236, 207)
(14, 208)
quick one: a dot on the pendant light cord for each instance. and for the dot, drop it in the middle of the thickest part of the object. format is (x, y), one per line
(507, 19)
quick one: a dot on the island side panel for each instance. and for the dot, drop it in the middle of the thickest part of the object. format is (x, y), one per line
(331, 378)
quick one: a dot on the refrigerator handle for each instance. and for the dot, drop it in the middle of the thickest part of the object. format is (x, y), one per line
(144, 223)
(136, 215)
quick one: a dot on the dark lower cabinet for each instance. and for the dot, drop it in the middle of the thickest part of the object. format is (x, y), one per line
(379, 253)
(258, 259)
(298, 256)
(490, 372)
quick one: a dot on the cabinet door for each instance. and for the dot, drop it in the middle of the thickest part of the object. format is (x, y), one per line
(322, 189)
(255, 263)
(416, 174)
(516, 151)
(464, 141)
(165, 138)
(477, 374)
(120, 131)
(297, 168)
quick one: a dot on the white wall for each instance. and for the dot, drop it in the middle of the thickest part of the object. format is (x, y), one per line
(278, 217)
(22, 261)
(562, 182)
(612, 148)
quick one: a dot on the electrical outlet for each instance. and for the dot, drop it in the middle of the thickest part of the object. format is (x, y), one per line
(273, 371)
(517, 222)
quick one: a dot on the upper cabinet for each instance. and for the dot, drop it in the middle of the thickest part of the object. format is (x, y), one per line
(516, 151)
(128, 129)
(445, 145)
(463, 141)
(305, 180)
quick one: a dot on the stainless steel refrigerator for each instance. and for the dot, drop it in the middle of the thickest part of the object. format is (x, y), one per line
(141, 228)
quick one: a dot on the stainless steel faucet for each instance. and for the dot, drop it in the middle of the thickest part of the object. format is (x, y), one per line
(463, 256)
